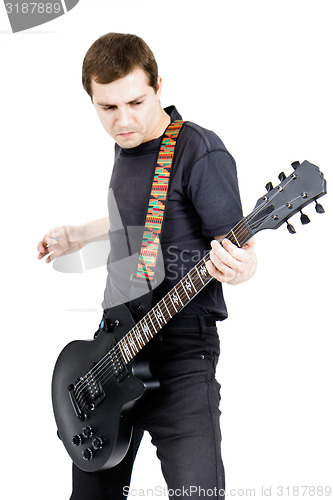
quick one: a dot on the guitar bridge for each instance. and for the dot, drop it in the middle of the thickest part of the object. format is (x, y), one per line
(76, 407)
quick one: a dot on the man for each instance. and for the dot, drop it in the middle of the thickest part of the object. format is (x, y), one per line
(182, 416)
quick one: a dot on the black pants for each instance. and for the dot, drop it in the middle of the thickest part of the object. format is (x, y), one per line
(182, 417)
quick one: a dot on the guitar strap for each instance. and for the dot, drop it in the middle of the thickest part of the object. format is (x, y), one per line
(152, 233)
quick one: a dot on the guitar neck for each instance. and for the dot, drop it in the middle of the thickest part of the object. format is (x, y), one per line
(176, 299)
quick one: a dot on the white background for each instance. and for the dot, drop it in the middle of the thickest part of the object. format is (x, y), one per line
(258, 73)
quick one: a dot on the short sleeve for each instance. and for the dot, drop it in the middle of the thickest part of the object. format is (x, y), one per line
(213, 189)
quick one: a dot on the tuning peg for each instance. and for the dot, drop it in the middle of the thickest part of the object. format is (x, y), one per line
(269, 186)
(295, 164)
(282, 176)
(319, 208)
(304, 218)
(291, 228)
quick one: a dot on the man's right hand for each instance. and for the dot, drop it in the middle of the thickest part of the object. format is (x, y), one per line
(63, 240)
(59, 241)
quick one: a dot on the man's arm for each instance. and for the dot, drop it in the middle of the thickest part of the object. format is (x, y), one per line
(230, 264)
(64, 240)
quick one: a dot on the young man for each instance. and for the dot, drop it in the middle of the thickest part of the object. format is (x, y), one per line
(182, 416)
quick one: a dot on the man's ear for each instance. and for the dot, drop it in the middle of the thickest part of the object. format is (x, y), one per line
(159, 86)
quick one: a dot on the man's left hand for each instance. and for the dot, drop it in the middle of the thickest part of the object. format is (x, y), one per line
(230, 264)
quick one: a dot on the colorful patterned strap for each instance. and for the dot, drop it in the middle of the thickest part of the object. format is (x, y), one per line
(157, 203)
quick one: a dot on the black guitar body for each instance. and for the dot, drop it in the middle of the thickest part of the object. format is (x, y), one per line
(93, 417)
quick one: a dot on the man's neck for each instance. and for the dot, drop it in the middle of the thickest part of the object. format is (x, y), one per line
(163, 122)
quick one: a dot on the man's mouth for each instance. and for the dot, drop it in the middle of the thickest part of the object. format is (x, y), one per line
(126, 134)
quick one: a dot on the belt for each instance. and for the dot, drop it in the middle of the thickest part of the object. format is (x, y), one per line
(191, 322)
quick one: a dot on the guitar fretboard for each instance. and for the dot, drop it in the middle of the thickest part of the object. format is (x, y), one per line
(175, 300)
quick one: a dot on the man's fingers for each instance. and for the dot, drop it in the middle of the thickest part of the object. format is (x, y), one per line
(42, 249)
(227, 254)
(46, 247)
(232, 264)
(218, 260)
(232, 249)
(227, 261)
(213, 271)
(51, 257)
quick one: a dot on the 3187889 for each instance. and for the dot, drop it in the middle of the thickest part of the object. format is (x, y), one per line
(33, 8)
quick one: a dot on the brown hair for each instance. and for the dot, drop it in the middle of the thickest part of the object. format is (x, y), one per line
(115, 55)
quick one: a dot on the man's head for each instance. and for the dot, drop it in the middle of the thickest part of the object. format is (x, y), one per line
(120, 75)
(115, 55)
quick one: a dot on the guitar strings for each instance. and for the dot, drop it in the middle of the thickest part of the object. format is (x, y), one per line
(108, 371)
(105, 365)
(104, 368)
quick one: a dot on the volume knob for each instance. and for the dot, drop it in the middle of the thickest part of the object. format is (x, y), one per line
(97, 443)
(77, 440)
(87, 454)
(88, 432)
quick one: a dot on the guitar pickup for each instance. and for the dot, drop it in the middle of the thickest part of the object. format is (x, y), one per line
(89, 395)
(97, 398)
(119, 366)
(121, 373)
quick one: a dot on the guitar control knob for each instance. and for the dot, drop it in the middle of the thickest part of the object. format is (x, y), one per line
(77, 440)
(97, 443)
(87, 454)
(88, 432)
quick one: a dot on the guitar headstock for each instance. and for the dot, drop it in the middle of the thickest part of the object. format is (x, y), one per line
(305, 185)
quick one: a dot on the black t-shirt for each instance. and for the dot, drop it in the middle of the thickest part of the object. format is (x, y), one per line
(203, 202)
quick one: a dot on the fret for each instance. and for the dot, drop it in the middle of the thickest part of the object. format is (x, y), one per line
(184, 288)
(139, 337)
(204, 271)
(166, 307)
(240, 234)
(199, 275)
(158, 315)
(132, 343)
(143, 331)
(127, 342)
(197, 282)
(151, 322)
(123, 351)
(176, 289)
(176, 299)
(235, 238)
(189, 277)
(146, 328)
(129, 354)
(172, 300)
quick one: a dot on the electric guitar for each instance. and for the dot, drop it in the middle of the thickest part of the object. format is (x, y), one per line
(97, 382)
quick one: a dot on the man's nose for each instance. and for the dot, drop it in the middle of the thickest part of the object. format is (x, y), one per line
(123, 117)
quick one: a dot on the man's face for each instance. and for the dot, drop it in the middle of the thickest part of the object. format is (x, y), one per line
(129, 108)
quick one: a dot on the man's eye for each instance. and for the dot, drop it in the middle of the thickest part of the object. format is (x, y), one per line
(107, 108)
(137, 103)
